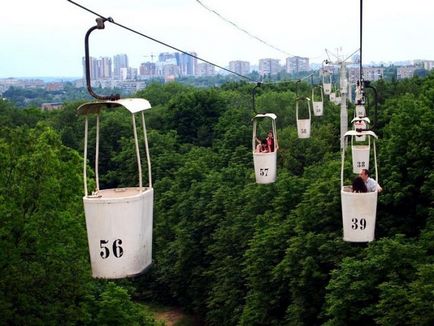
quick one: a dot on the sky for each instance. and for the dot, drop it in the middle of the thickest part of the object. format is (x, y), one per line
(46, 37)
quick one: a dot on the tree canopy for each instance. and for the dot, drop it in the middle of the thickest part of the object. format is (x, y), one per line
(225, 248)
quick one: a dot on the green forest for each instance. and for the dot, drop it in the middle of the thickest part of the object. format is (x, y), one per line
(225, 249)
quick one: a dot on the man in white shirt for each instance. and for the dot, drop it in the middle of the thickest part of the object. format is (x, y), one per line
(370, 183)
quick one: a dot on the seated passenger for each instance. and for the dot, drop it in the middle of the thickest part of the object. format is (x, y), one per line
(270, 141)
(359, 185)
(370, 183)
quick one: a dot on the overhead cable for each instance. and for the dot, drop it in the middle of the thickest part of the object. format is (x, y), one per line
(243, 30)
(110, 19)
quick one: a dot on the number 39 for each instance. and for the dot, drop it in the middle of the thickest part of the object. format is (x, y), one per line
(361, 225)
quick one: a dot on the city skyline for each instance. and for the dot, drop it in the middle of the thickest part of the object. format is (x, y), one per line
(50, 42)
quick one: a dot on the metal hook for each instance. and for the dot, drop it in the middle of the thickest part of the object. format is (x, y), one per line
(258, 84)
(99, 25)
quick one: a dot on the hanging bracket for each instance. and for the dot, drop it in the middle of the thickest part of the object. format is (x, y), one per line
(99, 25)
(258, 84)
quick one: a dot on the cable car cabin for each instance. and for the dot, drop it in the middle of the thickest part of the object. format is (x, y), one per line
(317, 102)
(327, 83)
(344, 86)
(118, 221)
(358, 209)
(338, 97)
(332, 97)
(265, 154)
(303, 124)
(359, 111)
(360, 124)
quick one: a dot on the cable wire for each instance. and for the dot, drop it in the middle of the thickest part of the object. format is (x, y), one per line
(110, 19)
(243, 30)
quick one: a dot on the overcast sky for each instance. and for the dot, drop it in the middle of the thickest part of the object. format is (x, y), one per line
(46, 37)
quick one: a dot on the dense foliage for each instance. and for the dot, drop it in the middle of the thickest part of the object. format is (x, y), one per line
(226, 249)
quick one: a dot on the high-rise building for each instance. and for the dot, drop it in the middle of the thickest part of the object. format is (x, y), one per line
(147, 70)
(119, 61)
(369, 73)
(166, 56)
(104, 68)
(93, 68)
(405, 72)
(128, 73)
(187, 64)
(269, 66)
(240, 67)
(205, 69)
(297, 64)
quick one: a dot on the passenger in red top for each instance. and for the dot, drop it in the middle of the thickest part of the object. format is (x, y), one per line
(270, 141)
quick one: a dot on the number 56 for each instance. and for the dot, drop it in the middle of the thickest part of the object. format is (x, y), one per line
(118, 251)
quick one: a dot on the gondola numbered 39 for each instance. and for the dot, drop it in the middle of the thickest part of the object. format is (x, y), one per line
(359, 210)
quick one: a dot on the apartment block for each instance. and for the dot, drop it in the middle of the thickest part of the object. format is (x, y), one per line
(104, 65)
(205, 69)
(187, 64)
(369, 73)
(297, 64)
(405, 72)
(240, 67)
(119, 61)
(147, 70)
(269, 66)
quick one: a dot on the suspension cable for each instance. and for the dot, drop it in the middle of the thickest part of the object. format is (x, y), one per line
(243, 30)
(110, 19)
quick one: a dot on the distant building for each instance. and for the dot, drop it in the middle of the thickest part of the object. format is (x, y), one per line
(297, 64)
(428, 64)
(128, 73)
(119, 61)
(99, 68)
(369, 73)
(54, 86)
(51, 106)
(425, 64)
(170, 70)
(269, 66)
(405, 72)
(240, 67)
(166, 56)
(104, 65)
(147, 70)
(187, 64)
(205, 69)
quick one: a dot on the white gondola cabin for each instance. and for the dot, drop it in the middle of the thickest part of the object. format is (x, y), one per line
(304, 123)
(360, 124)
(338, 97)
(265, 163)
(359, 210)
(360, 111)
(327, 82)
(118, 221)
(317, 101)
